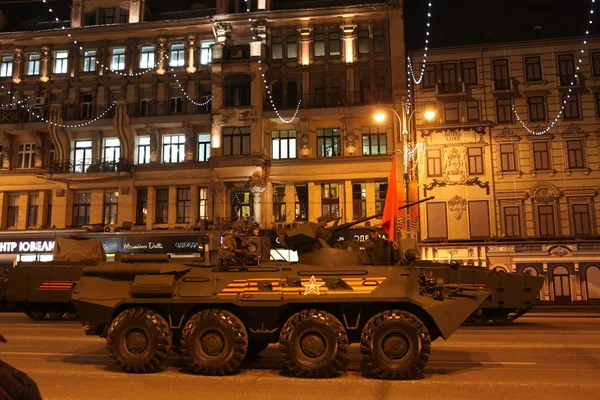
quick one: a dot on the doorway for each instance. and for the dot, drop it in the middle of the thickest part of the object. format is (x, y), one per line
(562, 288)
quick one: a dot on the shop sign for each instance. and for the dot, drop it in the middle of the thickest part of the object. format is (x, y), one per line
(27, 246)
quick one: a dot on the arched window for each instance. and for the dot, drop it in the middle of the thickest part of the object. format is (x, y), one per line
(236, 90)
(500, 269)
(592, 279)
(562, 290)
(530, 271)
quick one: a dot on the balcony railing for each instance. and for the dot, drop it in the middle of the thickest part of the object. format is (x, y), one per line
(20, 115)
(150, 109)
(502, 84)
(450, 87)
(567, 79)
(87, 166)
(336, 99)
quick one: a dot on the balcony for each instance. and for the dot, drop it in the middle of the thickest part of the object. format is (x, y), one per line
(152, 109)
(450, 89)
(567, 80)
(335, 99)
(21, 115)
(87, 166)
(503, 84)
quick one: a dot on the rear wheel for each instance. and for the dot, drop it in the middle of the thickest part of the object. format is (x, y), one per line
(395, 345)
(499, 316)
(479, 316)
(214, 342)
(55, 311)
(139, 340)
(313, 344)
(36, 311)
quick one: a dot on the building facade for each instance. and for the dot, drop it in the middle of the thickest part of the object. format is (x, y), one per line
(121, 119)
(509, 193)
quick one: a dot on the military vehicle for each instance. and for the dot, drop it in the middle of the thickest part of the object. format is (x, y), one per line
(313, 309)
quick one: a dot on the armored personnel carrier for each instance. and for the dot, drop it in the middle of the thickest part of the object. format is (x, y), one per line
(313, 309)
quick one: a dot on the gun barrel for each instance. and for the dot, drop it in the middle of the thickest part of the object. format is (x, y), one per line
(414, 203)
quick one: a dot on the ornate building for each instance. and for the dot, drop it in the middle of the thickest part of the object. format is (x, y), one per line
(510, 196)
(121, 119)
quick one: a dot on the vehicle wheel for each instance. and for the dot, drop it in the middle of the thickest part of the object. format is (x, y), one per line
(313, 344)
(55, 311)
(71, 312)
(479, 316)
(395, 345)
(139, 340)
(499, 316)
(214, 342)
(36, 312)
(255, 348)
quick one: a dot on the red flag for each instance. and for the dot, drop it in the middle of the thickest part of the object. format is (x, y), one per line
(390, 210)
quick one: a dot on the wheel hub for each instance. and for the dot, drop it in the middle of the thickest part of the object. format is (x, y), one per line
(312, 345)
(136, 341)
(212, 343)
(395, 346)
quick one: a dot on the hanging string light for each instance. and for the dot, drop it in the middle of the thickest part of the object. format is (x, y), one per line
(15, 103)
(188, 97)
(572, 83)
(410, 67)
(69, 126)
(106, 68)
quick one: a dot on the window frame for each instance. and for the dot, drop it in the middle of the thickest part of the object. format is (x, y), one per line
(359, 200)
(374, 138)
(184, 205)
(279, 203)
(475, 162)
(575, 152)
(571, 104)
(330, 199)
(230, 135)
(6, 66)
(515, 219)
(203, 146)
(118, 59)
(533, 71)
(110, 208)
(511, 157)
(277, 140)
(33, 64)
(161, 208)
(175, 148)
(552, 215)
(147, 57)
(177, 56)
(336, 142)
(535, 106)
(25, 156)
(33, 209)
(541, 155)
(61, 64)
(89, 61)
(586, 218)
(79, 206)
(141, 206)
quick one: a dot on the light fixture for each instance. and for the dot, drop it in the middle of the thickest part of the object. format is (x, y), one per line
(429, 115)
(379, 117)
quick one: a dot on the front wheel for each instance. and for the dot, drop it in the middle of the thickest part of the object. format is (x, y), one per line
(395, 345)
(313, 344)
(139, 340)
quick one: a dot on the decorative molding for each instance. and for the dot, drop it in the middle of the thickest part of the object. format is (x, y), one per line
(544, 195)
(217, 187)
(506, 132)
(458, 206)
(5, 152)
(469, 182)
(573, 129)
(477, 129)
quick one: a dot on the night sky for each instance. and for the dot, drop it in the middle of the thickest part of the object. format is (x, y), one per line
(454, 22)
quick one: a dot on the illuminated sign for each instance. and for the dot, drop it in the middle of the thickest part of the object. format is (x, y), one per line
(27, 246)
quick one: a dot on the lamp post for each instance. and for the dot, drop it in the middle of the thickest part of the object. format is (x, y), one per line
(404, 126)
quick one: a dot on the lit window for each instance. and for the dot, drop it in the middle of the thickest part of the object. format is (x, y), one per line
(33, 64)
(147, 57)
(173, 148)
(61, 61)
(117, 62)
(203, 146)
(6, 67)
(206, 53)
(89, 61)
(177, 58)
(143, 154)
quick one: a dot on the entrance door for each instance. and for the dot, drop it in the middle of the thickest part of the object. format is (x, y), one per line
(562, 289)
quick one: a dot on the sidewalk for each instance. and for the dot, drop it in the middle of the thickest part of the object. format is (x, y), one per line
(550, 310)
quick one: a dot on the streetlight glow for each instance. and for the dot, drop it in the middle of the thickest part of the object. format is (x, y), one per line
(429, 115)
(379, 117)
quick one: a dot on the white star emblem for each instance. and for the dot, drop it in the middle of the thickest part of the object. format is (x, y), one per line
(312, 286)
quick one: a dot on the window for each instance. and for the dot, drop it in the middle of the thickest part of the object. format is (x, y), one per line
(449, 78)
(117, 62)
(537, 108)
(146, 102)
(434, 163)
(507, 158)
(49, 209)
(12, 211)
(291, 42)
(203, 146)
(437, 222)
(359, 200)
(319, 43)
(81, 208)
(429, 76)
(284, 144)
(546, 220)
(32, 209)
(276, 46)
(596, 63)
(124, 17)
(504, 112)
(279, 213)
(87, 106)
(541, 156)
(161, 214)
(512, 221)
(533, 68)
(82, 155)
(177, 57)
(203, 203)
(378, 41)
(581, 219)
(479, 219)
(184, 205)
(175, 100)
(469, 72)
(566, 69)
(206, 52)
(575, 154)
(236, 90)
(141, 209)
(108, 16)
(240, 205)
(292, 94)
(6, 67)
(147, 57)
(475, 155)
(61, 61)
(374, 140)
(236, 141)
(500, 69)
(473, 111)
(451, 112)
(301, 202)
(334, 44)
(330, 200)
(329, 142)
(33, 64)
(173, 150)
(381, 188)
(363, 41)
(571, 104)
(26, 155)
(143, 150)
(111, 204)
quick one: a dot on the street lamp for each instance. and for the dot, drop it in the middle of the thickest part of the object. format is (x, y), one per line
(428, 114)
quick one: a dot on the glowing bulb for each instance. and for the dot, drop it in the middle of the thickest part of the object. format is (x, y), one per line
(379, 117)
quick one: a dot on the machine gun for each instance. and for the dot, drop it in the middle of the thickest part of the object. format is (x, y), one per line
(312, 236)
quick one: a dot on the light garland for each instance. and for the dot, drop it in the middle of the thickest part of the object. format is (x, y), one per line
(135, 73)
(410, 67)
(547, 129)
(188, 97)
(16, 103)
(71, 126)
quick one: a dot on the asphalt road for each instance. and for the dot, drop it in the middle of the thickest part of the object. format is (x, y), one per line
(538, 357)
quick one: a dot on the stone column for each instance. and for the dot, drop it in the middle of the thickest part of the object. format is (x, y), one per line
(153, 132)
(150, 207)
(304, 34)
(18, 65)
(191, 51)
(37, 139)
(44, 59)
(290, 202)
(161, 51)
(22, 213)
(172, 207)
(6, 152)
(195, 204)
(256, 204)
(190, 141)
